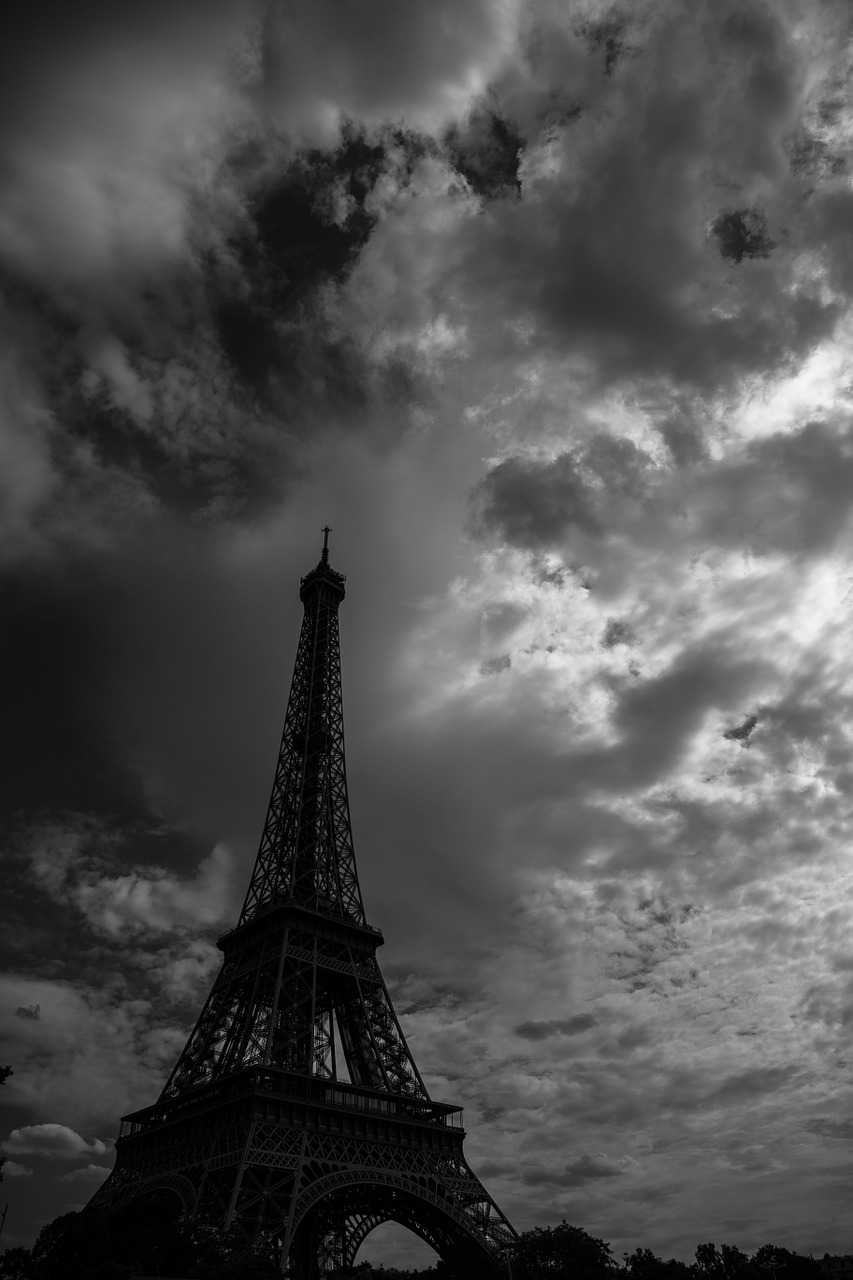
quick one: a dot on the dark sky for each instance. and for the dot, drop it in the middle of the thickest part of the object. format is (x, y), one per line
(546, 309)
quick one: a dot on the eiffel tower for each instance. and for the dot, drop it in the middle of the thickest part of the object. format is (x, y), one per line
(296, 1115)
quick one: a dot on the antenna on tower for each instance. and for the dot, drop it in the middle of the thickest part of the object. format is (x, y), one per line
(325, 531)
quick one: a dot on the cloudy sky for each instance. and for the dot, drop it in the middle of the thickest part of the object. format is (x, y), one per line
(546, 307)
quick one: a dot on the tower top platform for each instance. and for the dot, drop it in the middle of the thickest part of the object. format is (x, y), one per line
(323, 576)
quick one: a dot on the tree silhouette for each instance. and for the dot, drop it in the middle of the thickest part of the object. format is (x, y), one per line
(643, 1264)
(781, 1264)
(562, 1251)
(143, 1237)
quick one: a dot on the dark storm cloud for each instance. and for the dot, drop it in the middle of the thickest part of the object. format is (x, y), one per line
(634, 279)
(513, 502)
(305, 226)
(486, 151)
(535, 503)
(655, 718)
(168, 326)
(617, 632)
(840, 1129)
(789, 492)
(741, 732)
(687, 1089)
(742, 234)
(191, 362)
(556, 1027)
(379, 61)
(584, 1169)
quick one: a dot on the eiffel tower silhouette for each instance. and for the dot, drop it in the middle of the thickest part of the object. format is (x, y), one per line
(296, 1115)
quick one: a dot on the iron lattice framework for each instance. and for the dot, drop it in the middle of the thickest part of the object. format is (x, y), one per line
(296, 1114)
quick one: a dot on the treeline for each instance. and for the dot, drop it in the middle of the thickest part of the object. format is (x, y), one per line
(565, 1252)
(146, 1238)
(142, 1238)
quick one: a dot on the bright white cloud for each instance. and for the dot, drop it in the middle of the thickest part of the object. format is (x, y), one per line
(72, 863)
(53, 1141)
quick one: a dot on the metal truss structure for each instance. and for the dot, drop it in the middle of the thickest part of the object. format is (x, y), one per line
(296, 1114)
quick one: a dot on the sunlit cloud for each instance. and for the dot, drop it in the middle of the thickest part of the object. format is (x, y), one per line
(53, 1141)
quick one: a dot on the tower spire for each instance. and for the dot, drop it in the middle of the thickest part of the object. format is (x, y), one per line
(324, 559)
(295, 1113)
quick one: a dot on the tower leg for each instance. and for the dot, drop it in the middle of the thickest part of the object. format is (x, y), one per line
(232, 1204)
(303, 1251)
